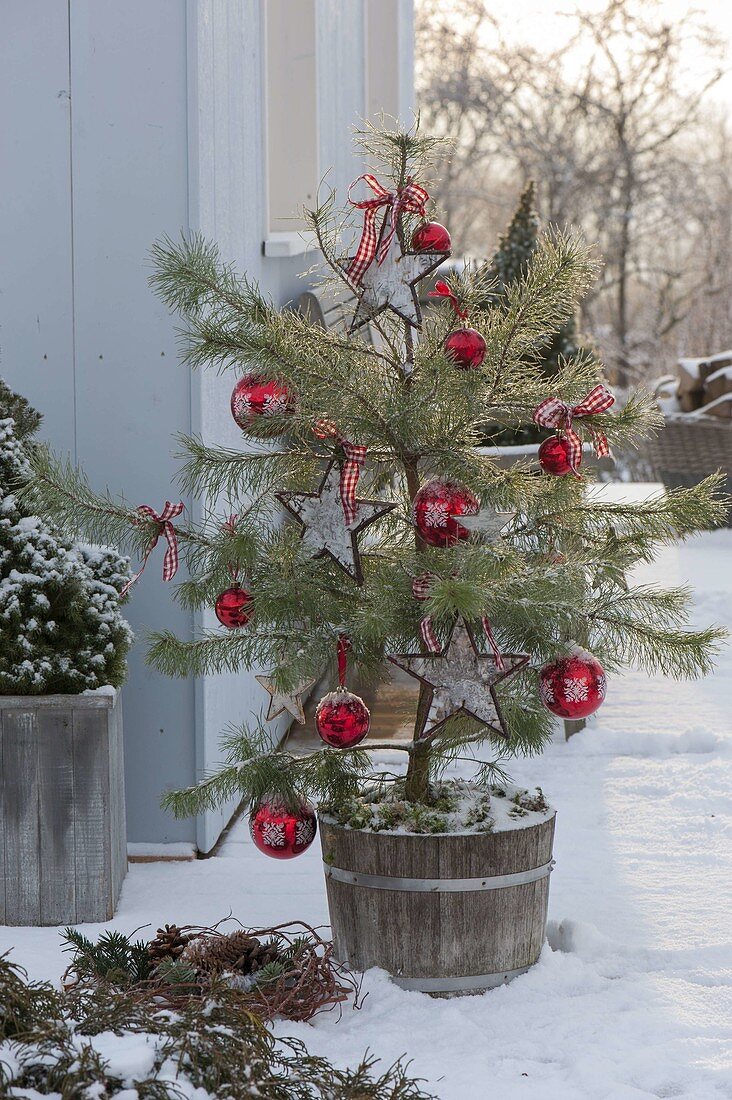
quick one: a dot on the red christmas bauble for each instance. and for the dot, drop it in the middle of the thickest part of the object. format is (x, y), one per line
(254, 396)
(573, 686)
(282, 833)
(554, 456)
(466, 348)
(431, 237)
(435, 507)
(342, 719)
(234, 607)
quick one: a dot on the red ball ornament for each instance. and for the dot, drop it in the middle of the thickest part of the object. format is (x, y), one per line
(435, 507)
(282, 833)
(234, 607)
(573, 686)
(255, 396)
(431, 237)
(466, 348)
(554, 456)
(342, 719)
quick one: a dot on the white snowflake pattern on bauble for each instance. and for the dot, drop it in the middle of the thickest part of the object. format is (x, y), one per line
(304, 831)
(546, 691)
(242, 407)
(602, 685)
(275, 404)
(436, 514)
(273, 834)
(575, 689)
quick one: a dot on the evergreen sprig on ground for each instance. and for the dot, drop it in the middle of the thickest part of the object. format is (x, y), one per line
(47, 1047)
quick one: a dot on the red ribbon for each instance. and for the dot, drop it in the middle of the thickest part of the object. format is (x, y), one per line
(411, 198)
(350, 469)
(442, 290)
(343, 649)
(421, 591)
(166, 529)
(555, 413)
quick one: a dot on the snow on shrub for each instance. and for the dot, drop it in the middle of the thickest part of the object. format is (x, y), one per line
(61, 630)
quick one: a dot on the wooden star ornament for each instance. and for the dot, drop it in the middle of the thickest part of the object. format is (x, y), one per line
(461, 681)
(324, 528)
(290, 701)
(489, 523)
(392, 284)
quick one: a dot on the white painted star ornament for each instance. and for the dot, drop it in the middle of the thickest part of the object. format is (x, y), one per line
(324, 528)
(281, 701)
(489, 523)
(461, 680)
(392, 284)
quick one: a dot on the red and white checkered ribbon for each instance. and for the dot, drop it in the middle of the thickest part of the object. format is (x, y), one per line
(355, 457)
(411, 198)
(421, 590)
(166, 529)
(555, 413)
(442, 290)
(492, 643)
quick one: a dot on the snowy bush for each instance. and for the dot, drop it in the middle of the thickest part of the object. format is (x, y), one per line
(60, 625)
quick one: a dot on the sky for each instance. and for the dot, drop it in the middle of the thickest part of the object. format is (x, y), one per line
(541, 24)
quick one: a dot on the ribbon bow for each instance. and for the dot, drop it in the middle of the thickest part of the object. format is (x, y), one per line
(350, 469)
(411, 198)
(166, 529)
(442, 290)
(555, 413)
(421, 591)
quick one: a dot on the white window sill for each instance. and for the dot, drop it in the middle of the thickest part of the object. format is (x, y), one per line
(289, 244)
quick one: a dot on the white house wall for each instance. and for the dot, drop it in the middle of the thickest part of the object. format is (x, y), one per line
(163, 131)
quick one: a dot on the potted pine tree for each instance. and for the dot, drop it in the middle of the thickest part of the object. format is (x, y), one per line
(373, 532)
(63, 644)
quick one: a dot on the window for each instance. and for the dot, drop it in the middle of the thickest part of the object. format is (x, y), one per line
(291, 122)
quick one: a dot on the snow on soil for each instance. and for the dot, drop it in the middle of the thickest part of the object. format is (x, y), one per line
(632, 996)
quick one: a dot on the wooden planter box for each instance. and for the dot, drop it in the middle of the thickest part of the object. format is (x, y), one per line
(63, 840)
(445, 914)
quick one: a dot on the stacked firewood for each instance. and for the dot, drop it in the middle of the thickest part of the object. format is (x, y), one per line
(706, 385)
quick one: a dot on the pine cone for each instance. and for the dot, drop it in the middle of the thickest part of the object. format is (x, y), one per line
(237, 952)
(169, 943)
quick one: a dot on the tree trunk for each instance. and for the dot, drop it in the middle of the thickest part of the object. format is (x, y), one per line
(571, 727)
(417, 782)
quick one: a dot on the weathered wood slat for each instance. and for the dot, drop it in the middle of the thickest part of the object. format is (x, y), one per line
(62, 817)
(439, 938)
(20, 822)
(3, 829)
(117, 816)
(55, 815)
(91, 817)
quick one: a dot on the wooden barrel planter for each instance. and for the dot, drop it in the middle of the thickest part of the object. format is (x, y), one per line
(444, 914)
(63, 842)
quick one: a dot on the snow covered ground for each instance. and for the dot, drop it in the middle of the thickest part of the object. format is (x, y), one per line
(632, 997)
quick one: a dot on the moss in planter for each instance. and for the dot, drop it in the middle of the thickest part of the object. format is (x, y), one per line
(452, 807)
(525, 803)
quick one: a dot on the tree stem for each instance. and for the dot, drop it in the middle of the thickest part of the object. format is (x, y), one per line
(417, 782)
